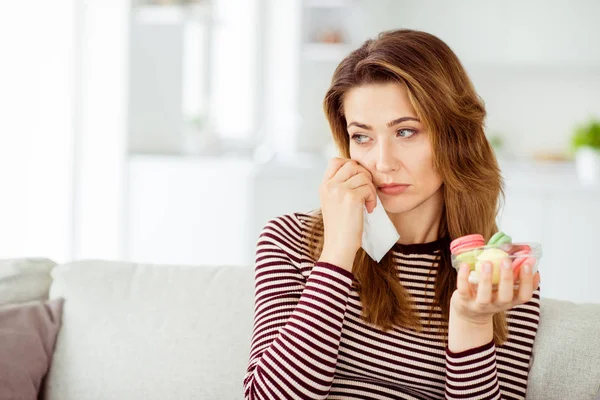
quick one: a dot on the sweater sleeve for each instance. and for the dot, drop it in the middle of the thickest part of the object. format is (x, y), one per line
(472, 374)
(297, 321)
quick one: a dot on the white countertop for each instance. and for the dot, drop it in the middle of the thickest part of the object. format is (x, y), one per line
(544, 176)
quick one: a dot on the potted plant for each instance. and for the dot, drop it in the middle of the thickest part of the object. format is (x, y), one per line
(197, 136)
(585, 143)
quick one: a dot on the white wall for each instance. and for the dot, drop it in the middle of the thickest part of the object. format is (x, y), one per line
(62, 139)
(36, 128)
(281, 117)
(100, 164)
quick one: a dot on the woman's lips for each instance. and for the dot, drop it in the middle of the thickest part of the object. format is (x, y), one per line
(392, 189)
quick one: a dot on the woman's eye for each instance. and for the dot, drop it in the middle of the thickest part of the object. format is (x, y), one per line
(360, 139)
(406, 133)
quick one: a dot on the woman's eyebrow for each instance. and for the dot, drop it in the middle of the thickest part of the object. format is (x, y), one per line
(389, 124)
(400, 120)
(360, 125)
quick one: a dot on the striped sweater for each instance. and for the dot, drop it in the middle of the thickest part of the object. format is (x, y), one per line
(309, 341)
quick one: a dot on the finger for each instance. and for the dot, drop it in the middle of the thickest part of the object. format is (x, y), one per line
(473, 288)
(361, 179)
(525, 284)
(371, 203)
(333, 166)
(364, 170)
(484, 290)
(505, 287)
(462, 282)
(517, 273)
(346, 171)
(536, 285)
(536, 281)
(358, 180)
(366, 195)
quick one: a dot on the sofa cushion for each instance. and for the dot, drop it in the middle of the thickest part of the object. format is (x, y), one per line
(27, 336)
(24, 279)
(566, 352)
(151, 332)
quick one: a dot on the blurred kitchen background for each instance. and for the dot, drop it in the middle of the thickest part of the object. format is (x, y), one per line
(172, 131)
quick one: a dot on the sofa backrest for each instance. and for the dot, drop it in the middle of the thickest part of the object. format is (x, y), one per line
(566, 352)
(151, 332)
(134, 331)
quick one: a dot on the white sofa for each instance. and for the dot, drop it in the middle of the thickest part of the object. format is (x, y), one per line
(132, 331)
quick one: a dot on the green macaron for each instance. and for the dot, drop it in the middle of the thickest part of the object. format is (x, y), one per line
(469, 257)
(499, 238)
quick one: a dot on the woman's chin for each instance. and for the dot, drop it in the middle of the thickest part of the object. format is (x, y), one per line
(395, 206)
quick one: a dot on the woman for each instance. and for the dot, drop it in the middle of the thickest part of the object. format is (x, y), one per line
(332, 323)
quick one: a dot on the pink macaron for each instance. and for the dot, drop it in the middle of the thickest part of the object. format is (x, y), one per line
(466, 242)
(518, 248)
(518, 262)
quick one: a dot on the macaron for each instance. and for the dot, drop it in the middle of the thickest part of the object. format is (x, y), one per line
(469, 257)
(515, 248)
(494, 256)
(518, 262)
(499, 238)
(467, 242)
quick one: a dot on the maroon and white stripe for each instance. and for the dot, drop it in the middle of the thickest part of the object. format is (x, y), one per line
(309, 341)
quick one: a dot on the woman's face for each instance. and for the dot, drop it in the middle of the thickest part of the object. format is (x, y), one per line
(387, 138)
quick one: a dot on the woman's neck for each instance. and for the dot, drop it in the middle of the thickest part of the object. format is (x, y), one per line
(421, 224)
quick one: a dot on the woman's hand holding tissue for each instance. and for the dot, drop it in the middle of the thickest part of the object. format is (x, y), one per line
(346, 188)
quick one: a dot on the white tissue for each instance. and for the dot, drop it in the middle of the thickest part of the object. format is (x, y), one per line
(379, 232)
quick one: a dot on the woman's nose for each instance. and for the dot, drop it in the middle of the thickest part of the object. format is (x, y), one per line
(386, 160)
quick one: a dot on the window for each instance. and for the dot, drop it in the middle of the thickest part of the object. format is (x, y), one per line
(194, 71)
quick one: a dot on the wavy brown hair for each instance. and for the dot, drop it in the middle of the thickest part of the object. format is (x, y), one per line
(445, 101)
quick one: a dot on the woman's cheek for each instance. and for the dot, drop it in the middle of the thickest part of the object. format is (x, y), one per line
(366, 157)
(367, 163)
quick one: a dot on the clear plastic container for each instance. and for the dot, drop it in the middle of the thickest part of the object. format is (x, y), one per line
(517, 253)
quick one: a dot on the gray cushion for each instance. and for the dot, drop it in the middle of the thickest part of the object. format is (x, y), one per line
(25, 279)
(566, 363)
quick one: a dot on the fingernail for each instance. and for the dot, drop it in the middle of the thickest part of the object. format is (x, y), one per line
(527, 268)
(506, 264)
(487, 267)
